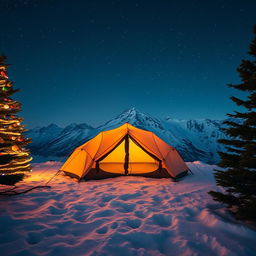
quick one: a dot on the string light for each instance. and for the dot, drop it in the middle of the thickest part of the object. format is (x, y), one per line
(10, 133)
(5, 89)
(15, 148)
(16, 162)
(15, 168)
(20, 154)
(10, 121)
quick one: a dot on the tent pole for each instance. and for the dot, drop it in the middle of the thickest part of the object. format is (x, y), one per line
(126, 160)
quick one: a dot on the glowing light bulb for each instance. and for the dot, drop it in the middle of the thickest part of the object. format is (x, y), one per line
(15, 148)
(6, 107)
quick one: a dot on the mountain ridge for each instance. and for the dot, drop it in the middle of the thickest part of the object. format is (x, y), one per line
(195, 139)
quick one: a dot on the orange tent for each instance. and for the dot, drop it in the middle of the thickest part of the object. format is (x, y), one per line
(125, 150)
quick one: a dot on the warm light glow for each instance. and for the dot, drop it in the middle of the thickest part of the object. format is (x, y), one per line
(10, 121)
(15, 168)
(139, 160)
(10, 133)
(15, 148)
(16, 162)
(23, 162)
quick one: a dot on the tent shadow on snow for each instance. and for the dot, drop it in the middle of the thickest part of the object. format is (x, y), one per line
(125, 150)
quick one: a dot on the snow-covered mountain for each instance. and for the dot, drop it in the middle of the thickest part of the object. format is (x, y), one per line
(194, 139)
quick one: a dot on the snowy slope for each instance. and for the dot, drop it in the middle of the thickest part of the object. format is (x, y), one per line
(194, 139)
(58, 142)
(70, 137)
(43, 135)
(128, 216)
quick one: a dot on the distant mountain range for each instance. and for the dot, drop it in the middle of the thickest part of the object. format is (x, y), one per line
(194, 139)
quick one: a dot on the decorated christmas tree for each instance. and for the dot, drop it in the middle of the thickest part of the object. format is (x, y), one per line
(14, 157)
(239, 176)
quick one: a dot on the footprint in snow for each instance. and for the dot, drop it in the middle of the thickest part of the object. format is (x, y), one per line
(102, 230)
(104, 213)
(56, 211)
(130, 196)
(81, 207)
(156, 199)
(161, 220)
(34, 237)
(108, 198)
(123, 207)
(114, 225)
(134, 223)
(140, 214)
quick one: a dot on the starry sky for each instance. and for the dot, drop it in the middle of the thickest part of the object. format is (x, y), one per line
(87, 61)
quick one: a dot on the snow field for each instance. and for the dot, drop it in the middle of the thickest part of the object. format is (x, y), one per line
(120, 216)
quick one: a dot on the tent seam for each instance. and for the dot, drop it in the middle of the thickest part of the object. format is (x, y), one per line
(156, 144)
(99, 146)
(87, 153)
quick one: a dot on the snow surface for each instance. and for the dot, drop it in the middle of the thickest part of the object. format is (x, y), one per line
(120, 216)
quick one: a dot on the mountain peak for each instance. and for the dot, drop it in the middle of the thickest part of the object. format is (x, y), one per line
(131, 111)
(134, 117)
(131, 115)
(49, 128)
(52, 126)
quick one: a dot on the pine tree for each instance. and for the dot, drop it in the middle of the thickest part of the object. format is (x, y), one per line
(14, 157)
(238, 177)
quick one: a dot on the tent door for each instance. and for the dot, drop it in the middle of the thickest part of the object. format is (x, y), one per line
(128, 157)
(140, 160)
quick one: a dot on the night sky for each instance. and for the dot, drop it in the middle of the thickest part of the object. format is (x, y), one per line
(87, 61)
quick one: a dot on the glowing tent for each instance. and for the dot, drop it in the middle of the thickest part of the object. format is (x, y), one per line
(125, 150)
